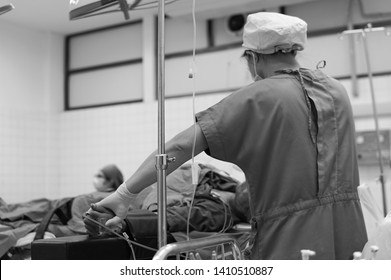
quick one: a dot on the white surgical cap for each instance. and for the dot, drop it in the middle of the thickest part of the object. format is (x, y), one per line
(268, 33)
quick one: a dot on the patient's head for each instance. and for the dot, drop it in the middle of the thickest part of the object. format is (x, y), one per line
(108, 178)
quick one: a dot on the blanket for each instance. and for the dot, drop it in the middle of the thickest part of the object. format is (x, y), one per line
(16, 220)
(19, 219)
(208, 214)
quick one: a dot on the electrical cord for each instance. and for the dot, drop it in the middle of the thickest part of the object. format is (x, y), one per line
(123, 236)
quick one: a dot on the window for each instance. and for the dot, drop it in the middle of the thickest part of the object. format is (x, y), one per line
(104, 67)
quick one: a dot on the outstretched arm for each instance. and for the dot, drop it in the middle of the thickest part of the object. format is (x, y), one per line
(118, 203)
(179, 147)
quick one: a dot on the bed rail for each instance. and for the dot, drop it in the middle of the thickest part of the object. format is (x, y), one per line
(221, 247)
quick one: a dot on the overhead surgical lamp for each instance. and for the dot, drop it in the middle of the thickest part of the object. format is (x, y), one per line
(6, 8)
(87, 8)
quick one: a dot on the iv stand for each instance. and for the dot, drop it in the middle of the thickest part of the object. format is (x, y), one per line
(161, 158)
(363, 33)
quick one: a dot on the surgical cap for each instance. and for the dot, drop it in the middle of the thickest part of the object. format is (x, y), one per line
(268, 33)
(113, 174)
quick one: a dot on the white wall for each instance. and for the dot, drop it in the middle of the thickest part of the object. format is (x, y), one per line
(123, 135)
(31, 76)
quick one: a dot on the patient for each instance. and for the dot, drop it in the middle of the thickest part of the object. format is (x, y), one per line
(219, 202)
(105, 181)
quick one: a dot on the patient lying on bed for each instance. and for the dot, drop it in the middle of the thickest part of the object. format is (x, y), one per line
(220, 202)
(208, 214)
(19, 221)
(105, 181)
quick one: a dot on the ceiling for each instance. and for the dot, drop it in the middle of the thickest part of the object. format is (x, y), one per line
(53, 15)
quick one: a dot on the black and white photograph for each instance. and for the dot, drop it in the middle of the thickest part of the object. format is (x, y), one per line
(142, 133)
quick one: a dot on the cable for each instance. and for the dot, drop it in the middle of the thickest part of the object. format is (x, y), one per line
(124, 236)
(192, 75)
(194, 166)
(189, 214)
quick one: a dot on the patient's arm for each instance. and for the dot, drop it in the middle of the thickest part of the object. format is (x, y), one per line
(179, 147)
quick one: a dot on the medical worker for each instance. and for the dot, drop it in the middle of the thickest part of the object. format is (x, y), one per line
(292, 133)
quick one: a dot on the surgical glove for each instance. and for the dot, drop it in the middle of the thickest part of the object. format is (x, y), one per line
(118, 203)
(94, 229)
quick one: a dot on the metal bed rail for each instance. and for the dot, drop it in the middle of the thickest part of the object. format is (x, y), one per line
(192, 248)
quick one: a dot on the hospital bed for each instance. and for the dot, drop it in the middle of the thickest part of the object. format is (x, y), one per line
(221, 247)
(211, 217)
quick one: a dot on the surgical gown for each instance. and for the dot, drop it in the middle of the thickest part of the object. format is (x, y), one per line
(293, 136)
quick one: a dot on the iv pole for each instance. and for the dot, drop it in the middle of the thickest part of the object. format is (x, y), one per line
(161, 158)
(363, 32)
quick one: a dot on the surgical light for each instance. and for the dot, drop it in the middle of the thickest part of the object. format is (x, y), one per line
(6, 8)
(87, 8)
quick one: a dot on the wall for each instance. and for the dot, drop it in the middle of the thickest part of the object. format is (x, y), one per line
(30, 74)
(123, 135)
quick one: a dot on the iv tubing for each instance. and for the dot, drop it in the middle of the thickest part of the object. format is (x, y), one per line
(194, 80)
(194, 169)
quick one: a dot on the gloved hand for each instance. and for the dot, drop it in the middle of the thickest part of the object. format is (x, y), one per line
(113, 208)
(100, 215)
